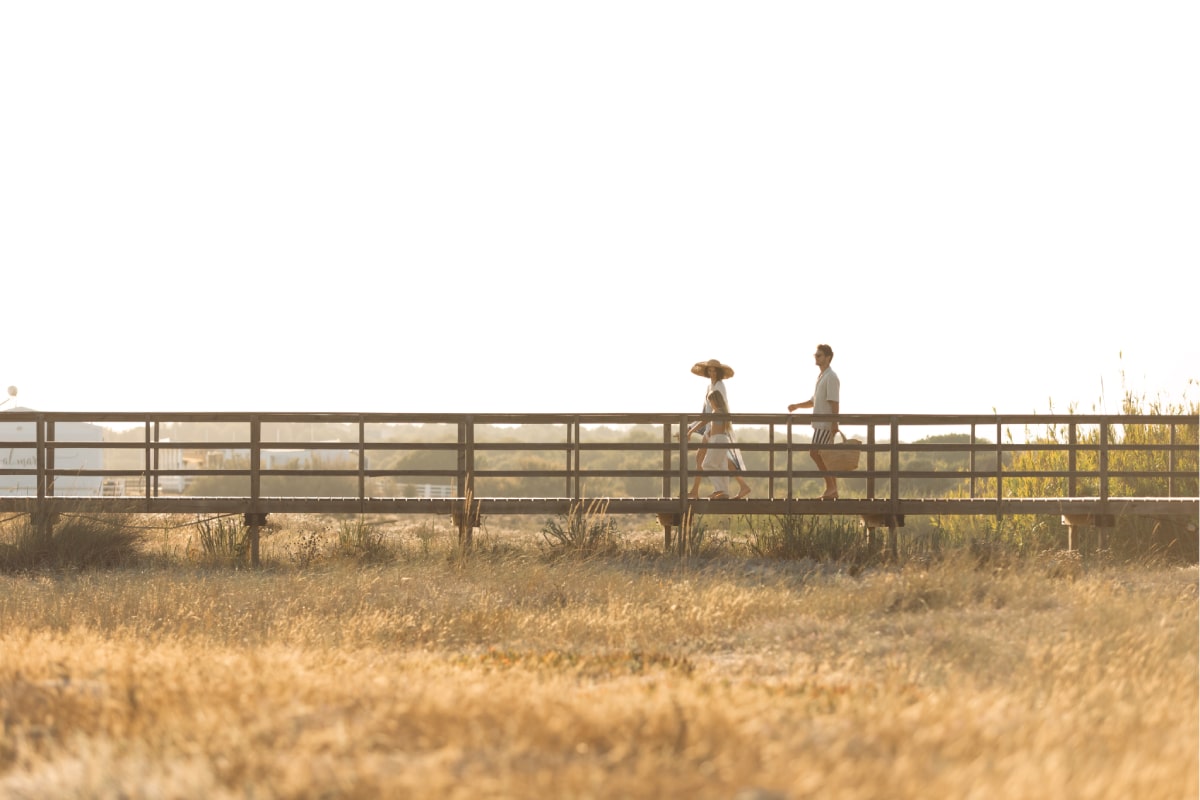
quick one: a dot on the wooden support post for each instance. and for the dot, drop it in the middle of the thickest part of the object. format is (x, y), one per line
(466, 520)
(1101, 522)
(254, 521)
(890, 521)
(669, 521)
(43, 524)
(680, 542)
(872, 523)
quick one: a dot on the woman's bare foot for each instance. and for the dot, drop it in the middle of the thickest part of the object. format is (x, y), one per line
(718, 496)
(745, 492)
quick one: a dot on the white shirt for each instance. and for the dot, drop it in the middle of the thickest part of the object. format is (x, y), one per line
(827, 392)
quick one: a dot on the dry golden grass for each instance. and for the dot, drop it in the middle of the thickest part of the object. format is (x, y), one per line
(639, 676)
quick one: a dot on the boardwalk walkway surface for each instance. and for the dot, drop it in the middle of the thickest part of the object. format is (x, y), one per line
(1088, 469)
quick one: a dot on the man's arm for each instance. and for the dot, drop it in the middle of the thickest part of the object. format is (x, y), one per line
(805, 404)
(834, 405)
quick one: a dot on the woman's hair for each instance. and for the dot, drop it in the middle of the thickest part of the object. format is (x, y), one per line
(717, 401)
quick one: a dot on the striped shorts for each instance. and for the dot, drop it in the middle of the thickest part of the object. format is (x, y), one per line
(822, 436)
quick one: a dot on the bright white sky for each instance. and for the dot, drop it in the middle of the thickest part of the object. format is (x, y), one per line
(561, 206)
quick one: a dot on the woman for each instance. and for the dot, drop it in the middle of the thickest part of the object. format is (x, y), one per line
(716, 372)
(719, 457)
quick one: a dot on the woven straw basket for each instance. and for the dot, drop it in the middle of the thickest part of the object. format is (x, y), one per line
(841, 460)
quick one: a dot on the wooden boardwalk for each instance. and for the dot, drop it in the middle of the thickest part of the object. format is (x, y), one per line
(1086, 469)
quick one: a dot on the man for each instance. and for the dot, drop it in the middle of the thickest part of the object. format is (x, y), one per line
(825, 400)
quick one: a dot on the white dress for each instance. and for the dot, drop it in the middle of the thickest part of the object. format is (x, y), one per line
(733, 453)
(716, 461)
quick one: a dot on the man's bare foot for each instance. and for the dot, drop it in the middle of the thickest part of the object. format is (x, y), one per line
(718, 496)
(743, 493)
(693, 495)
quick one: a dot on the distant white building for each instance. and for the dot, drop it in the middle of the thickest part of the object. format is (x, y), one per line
(13, 456)
(432, 489)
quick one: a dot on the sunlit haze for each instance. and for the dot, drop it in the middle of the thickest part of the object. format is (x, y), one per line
(560, 207)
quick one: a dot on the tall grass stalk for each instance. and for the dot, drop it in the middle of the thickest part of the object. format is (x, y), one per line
(584, 530)
(359, 540)
(223, 540)
(838, 539)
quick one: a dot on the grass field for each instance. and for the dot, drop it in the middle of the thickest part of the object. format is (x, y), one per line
(407, 671)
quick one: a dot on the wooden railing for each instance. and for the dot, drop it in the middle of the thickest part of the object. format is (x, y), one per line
(1089, 466)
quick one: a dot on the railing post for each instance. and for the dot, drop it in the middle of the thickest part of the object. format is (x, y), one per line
(771, 462)
(573, 458)
(147, 462)
(665, 490)
(1072, 462)
(1171, 463)
(684, 478)
(154, 474)
(870, 462)
(1103, 462)
(39, 426)
(999, 467)
(51, 449)
(254, 518)
(362, 459)
(972, 462)
(570, 485)
(790, 461)
(43, 517)
(255, 461)
(894, 467)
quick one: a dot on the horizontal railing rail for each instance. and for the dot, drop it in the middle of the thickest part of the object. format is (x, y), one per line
(579, 456)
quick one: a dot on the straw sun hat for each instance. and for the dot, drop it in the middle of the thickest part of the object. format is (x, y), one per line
(701, 368)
